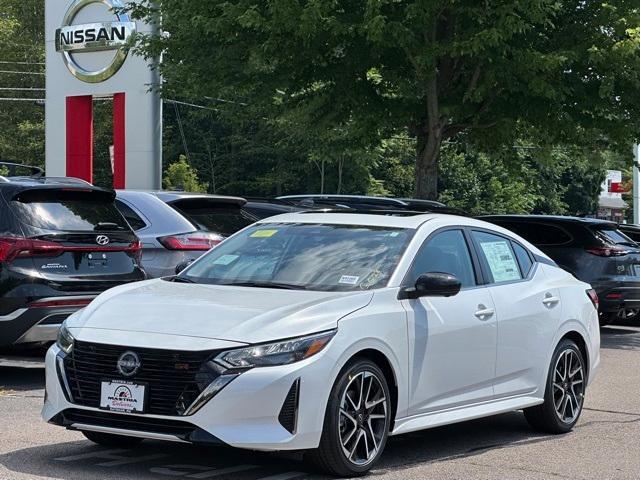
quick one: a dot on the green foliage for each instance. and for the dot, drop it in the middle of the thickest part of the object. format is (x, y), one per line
(181, 176)
(4, 171)
(22, 40)
(442, 68)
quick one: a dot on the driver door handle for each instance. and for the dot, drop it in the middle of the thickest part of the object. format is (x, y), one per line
(550, 300)
(484, 313)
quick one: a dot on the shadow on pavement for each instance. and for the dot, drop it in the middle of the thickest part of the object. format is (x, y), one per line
(83, 460)
(14, 378)
(620, 338)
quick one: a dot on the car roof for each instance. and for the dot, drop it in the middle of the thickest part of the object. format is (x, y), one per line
(13, 185)
(168, 196)
(549, 218)
(346, 198)
(372, 218)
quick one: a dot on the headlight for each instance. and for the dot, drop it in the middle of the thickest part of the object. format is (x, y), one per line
(65, 339)
(280, 353)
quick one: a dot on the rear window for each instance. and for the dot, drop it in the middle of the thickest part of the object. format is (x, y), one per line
(538, 233)
(611, 235)
(68, 211)
(223, 220)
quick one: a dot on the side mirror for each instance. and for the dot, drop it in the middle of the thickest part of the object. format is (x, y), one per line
(182, 265)
(432, 284)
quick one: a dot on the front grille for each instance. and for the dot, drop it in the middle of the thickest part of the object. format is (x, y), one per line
(173, 378)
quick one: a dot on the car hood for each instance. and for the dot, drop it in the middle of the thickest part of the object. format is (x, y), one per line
(235, 314)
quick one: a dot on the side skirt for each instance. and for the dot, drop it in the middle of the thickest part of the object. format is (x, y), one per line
(446, 417)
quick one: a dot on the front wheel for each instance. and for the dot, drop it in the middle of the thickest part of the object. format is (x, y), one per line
(564, 394)
(356, 424)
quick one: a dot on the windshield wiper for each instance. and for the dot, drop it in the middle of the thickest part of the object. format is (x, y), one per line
(284, 286)
(107, 226)
(179, 279)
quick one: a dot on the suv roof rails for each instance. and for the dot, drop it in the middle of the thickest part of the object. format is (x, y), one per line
(50, 180)
(36, 172)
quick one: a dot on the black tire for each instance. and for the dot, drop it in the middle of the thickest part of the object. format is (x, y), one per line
(545, 417)
(330, 457)
(606, 318)
(112, 440)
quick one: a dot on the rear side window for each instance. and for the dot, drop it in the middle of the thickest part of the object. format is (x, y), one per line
(130, 215)
(223, 220)
(68, 210)
(524, 259)
(498, 257)
(538, 233)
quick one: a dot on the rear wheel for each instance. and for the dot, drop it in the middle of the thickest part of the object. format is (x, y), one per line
(564, 394)
(356, 424)
(111, 440)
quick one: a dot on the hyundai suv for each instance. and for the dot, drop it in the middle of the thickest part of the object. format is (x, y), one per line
(594, 251)
(62, 242)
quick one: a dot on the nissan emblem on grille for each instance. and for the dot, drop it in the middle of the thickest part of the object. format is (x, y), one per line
(129, 364)
(102, 240)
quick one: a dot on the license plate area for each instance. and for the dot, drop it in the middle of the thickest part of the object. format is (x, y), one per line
(123, 396)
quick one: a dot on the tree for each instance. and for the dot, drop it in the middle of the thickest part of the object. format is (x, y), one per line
(180, 176)
(437, 68)
(22, 57)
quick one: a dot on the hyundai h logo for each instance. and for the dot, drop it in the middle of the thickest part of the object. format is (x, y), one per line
(102, 240)
(72, 39)
(128, 364)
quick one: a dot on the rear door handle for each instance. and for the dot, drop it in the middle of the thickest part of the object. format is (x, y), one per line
(484, 313)
(550, 300)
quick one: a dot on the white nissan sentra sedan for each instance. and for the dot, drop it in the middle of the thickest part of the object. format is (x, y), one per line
(328, 332)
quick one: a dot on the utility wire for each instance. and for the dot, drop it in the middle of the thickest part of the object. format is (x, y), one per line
(21, 89)
(190, 105)
(180, 127)
(21, 73)
(21, 63)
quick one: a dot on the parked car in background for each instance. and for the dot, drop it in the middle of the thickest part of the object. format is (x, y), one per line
(630, 230)
(176, 227)
(265, 207)
(62, 242)
(328, 332)
(358, 202)
(594, 251)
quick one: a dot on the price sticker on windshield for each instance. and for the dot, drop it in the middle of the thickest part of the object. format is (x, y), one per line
(263, 233)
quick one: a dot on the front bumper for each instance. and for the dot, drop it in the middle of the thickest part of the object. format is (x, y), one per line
(36, 324)
(244, 414)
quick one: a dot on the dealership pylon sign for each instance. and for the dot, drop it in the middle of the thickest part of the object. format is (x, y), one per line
(88, 56)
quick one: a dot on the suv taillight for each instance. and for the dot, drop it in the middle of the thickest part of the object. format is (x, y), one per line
(593, 296)
(200, 241)
(11, 248)
(607, 251)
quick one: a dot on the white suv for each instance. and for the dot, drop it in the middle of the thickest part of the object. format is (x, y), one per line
(328, 332)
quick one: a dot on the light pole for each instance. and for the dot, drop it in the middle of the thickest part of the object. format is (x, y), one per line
(636, 184)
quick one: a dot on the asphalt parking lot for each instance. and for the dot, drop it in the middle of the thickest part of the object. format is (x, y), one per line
(605, 443)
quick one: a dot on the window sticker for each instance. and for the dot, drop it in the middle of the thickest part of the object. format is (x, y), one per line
(349, 279)
(224, 260)
(501, 261)
(263, 233)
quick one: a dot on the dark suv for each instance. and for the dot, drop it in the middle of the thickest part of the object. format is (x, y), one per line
(594, 251)
(62, 241)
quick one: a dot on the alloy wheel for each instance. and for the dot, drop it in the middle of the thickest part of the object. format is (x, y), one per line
(363, 418)
(568, 386)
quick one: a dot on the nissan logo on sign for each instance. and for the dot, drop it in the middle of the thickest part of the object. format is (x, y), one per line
(95, 37)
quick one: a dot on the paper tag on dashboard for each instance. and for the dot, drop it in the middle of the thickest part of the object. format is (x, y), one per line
(349, 279)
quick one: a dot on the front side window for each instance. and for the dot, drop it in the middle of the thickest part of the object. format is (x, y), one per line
(445, 252)
(498, 257)
(304, 256)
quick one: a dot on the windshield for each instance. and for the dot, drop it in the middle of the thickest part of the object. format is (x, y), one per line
(304, 256)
